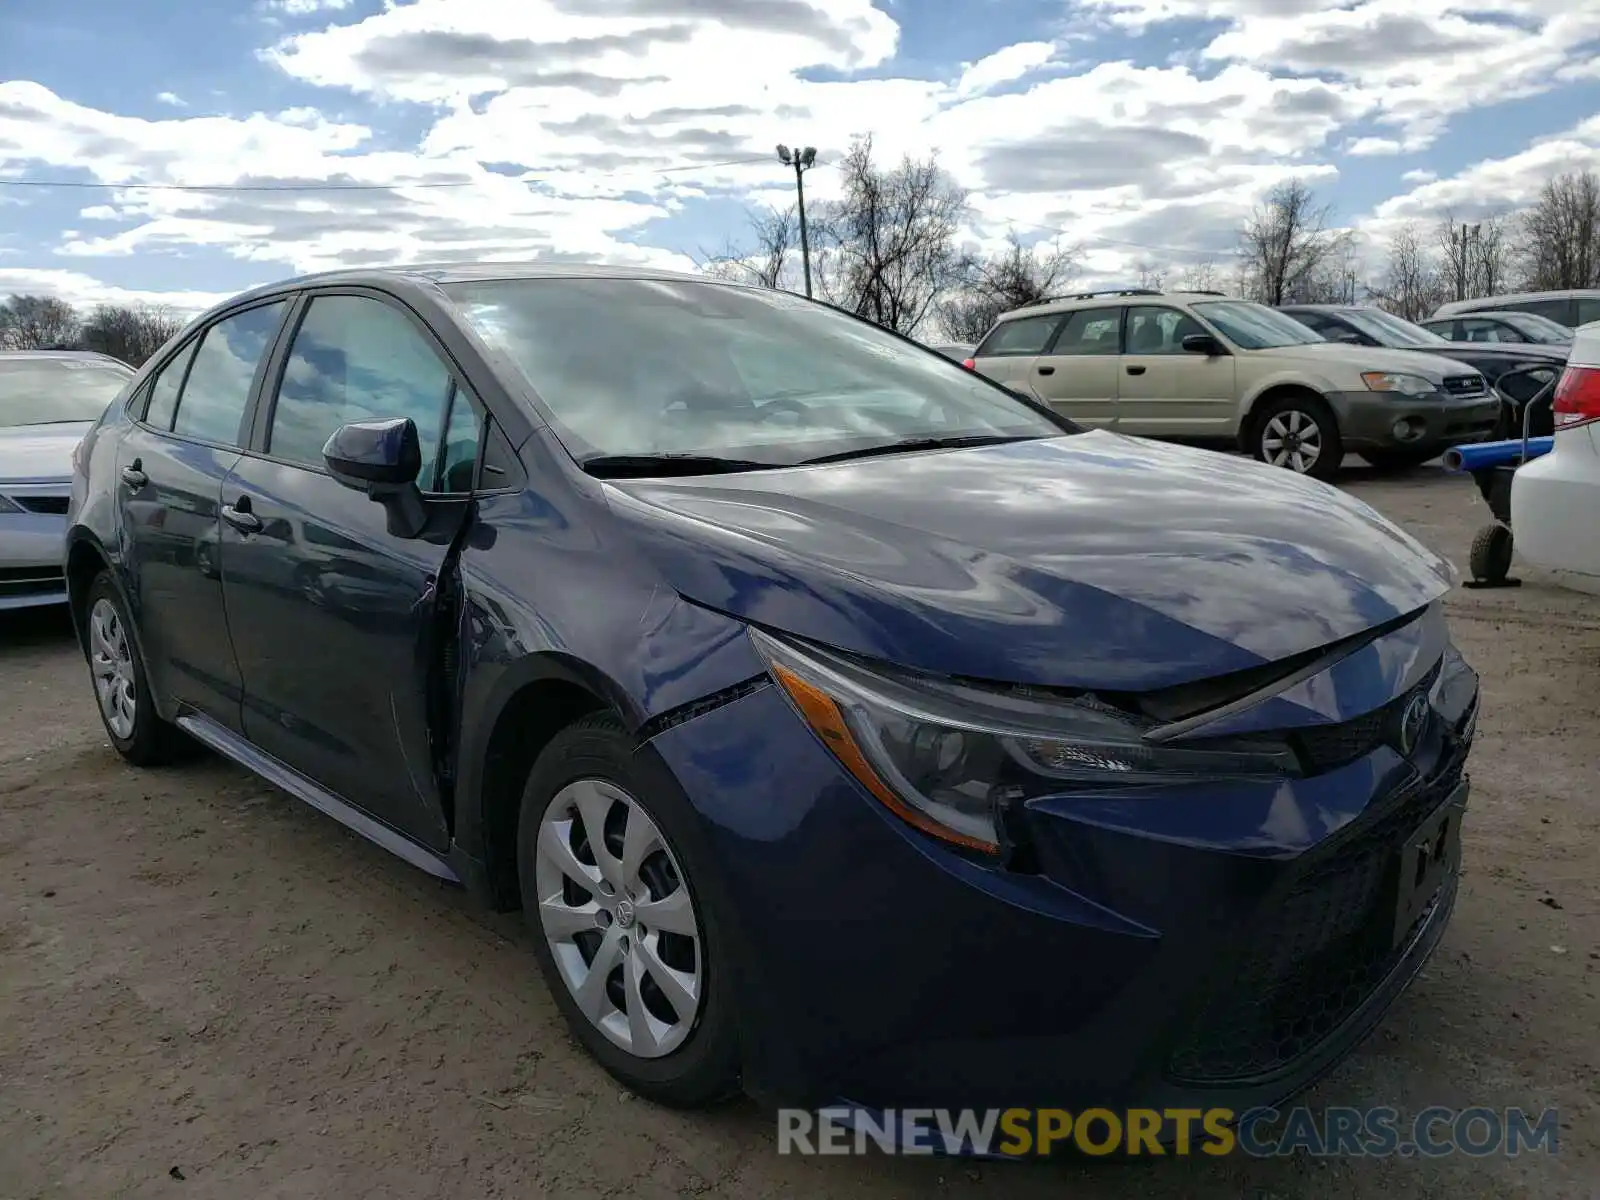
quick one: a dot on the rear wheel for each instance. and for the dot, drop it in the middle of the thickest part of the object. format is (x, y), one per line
(625, 936)
(1490, 560)
(121, 687)
(1299, 433)
(1401, 460)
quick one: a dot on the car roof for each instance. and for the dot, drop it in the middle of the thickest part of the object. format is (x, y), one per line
(476, 272)
(1107, 299)
(61, 355)
(1453, 308)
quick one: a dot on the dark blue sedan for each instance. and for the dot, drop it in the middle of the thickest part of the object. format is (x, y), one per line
(848, 727)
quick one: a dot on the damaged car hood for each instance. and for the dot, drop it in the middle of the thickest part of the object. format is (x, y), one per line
(1094, 560)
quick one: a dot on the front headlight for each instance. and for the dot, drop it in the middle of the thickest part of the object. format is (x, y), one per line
(1398, 381)
(953, 759)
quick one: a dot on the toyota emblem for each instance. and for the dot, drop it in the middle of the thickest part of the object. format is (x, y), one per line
(1412, 722)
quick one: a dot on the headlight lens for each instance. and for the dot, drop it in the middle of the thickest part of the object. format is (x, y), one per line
(952, 759)
(1394, 381)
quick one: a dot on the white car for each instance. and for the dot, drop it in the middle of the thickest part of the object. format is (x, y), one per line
(1555, 499)
(48, 400)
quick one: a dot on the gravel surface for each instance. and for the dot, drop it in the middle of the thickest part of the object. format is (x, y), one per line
(209, 990)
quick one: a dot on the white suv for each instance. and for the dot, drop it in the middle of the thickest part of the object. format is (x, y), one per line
(1199, 365)
(1555, 498)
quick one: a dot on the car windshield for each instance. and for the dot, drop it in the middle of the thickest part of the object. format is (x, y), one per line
(1255, 326)
(647, 367)
(1538, 329)
(42, 391)
(1389, 329)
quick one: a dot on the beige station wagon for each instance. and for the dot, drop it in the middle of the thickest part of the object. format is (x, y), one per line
(1202, 366)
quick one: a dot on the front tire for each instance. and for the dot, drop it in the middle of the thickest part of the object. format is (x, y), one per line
(1299, 433)
(121, 686)
(629, 944)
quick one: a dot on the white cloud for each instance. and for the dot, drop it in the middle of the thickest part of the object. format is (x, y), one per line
(305, 8)
(1419, 175)
(172, 98)
(85, 291)
(1003, 66)
(1373, 146)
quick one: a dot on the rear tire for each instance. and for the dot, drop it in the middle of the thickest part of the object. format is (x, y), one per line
(1401, 460)
(637, 899)
(1490, 559)
(122, 689)
(1298, 432)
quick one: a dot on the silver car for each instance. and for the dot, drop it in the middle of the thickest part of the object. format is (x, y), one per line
(48, 400)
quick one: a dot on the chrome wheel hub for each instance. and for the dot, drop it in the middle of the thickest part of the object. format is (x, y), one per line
(111, 662)
(1292, 439)
(618, 918)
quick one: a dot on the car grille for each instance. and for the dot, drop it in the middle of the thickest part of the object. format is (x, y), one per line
(1319, 951)
(1465, 385)
(30, 581)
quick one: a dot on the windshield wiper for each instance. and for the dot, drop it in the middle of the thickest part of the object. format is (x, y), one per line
(907, 445)
(643, 466)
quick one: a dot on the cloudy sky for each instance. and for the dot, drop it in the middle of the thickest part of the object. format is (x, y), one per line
(642, 130)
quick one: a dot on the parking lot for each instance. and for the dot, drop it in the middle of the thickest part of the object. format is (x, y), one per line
(211, 990)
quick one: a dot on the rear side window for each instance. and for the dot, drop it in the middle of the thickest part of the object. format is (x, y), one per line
(1023, 336)
(217, 391)
(1486, 329)
(164, 392)
(1561, 311)
(358, 359)
(1091, 331)
(1588, 309)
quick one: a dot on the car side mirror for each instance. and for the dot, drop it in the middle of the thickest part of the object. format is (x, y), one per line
(1202, 343)
(383, 459)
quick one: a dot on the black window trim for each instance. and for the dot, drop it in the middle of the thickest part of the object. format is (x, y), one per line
(278, 361)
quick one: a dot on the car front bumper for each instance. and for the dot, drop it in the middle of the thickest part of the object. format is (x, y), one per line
(1391, 421)
(32, 547)
(1198, 946)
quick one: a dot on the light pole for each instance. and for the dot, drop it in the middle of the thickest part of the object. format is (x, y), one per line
(801, 161)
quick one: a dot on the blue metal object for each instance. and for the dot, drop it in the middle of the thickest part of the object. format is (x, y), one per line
(1481, 455)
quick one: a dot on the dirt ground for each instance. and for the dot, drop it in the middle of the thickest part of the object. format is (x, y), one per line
(209, 990)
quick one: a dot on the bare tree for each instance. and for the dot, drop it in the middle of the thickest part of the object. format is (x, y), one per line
(1022, 275)
(132, 334)
(1490, 266)
(1561, 234)
(766, 262)
(887, 249)
(1203, 276)
(1411, 287)
(34, 322)
(1287, 247)
(1152, 275)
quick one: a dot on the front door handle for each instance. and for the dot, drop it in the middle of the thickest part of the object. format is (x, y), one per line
(240, 517)
(1047, 370)
(1135, 370)
(133, 474)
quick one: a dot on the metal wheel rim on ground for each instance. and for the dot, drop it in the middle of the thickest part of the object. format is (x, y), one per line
(111, 660)
(612, 902)
(1292, 439)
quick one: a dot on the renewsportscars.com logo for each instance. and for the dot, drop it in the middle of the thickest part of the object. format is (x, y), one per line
(1257, 1133)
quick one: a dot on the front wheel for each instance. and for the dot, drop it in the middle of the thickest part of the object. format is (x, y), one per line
(1300, 434)
(623, 929)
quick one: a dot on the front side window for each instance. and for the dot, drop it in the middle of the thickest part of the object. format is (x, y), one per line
(43, 391)
(651, 367)
(1588, 310)
(1563, 312)
(1255, 326)
(1153, 329)
(1389, 330)
(357, 359)
(217, 391)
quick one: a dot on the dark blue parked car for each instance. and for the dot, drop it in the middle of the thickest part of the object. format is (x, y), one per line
(847, 726)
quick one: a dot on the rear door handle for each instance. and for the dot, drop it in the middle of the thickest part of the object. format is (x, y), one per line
(1046, 370)
(1135, 370)
(241, 519)
(133, 474)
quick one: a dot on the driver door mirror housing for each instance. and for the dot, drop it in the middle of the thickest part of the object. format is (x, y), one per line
(383, 459)
(1202, 343)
